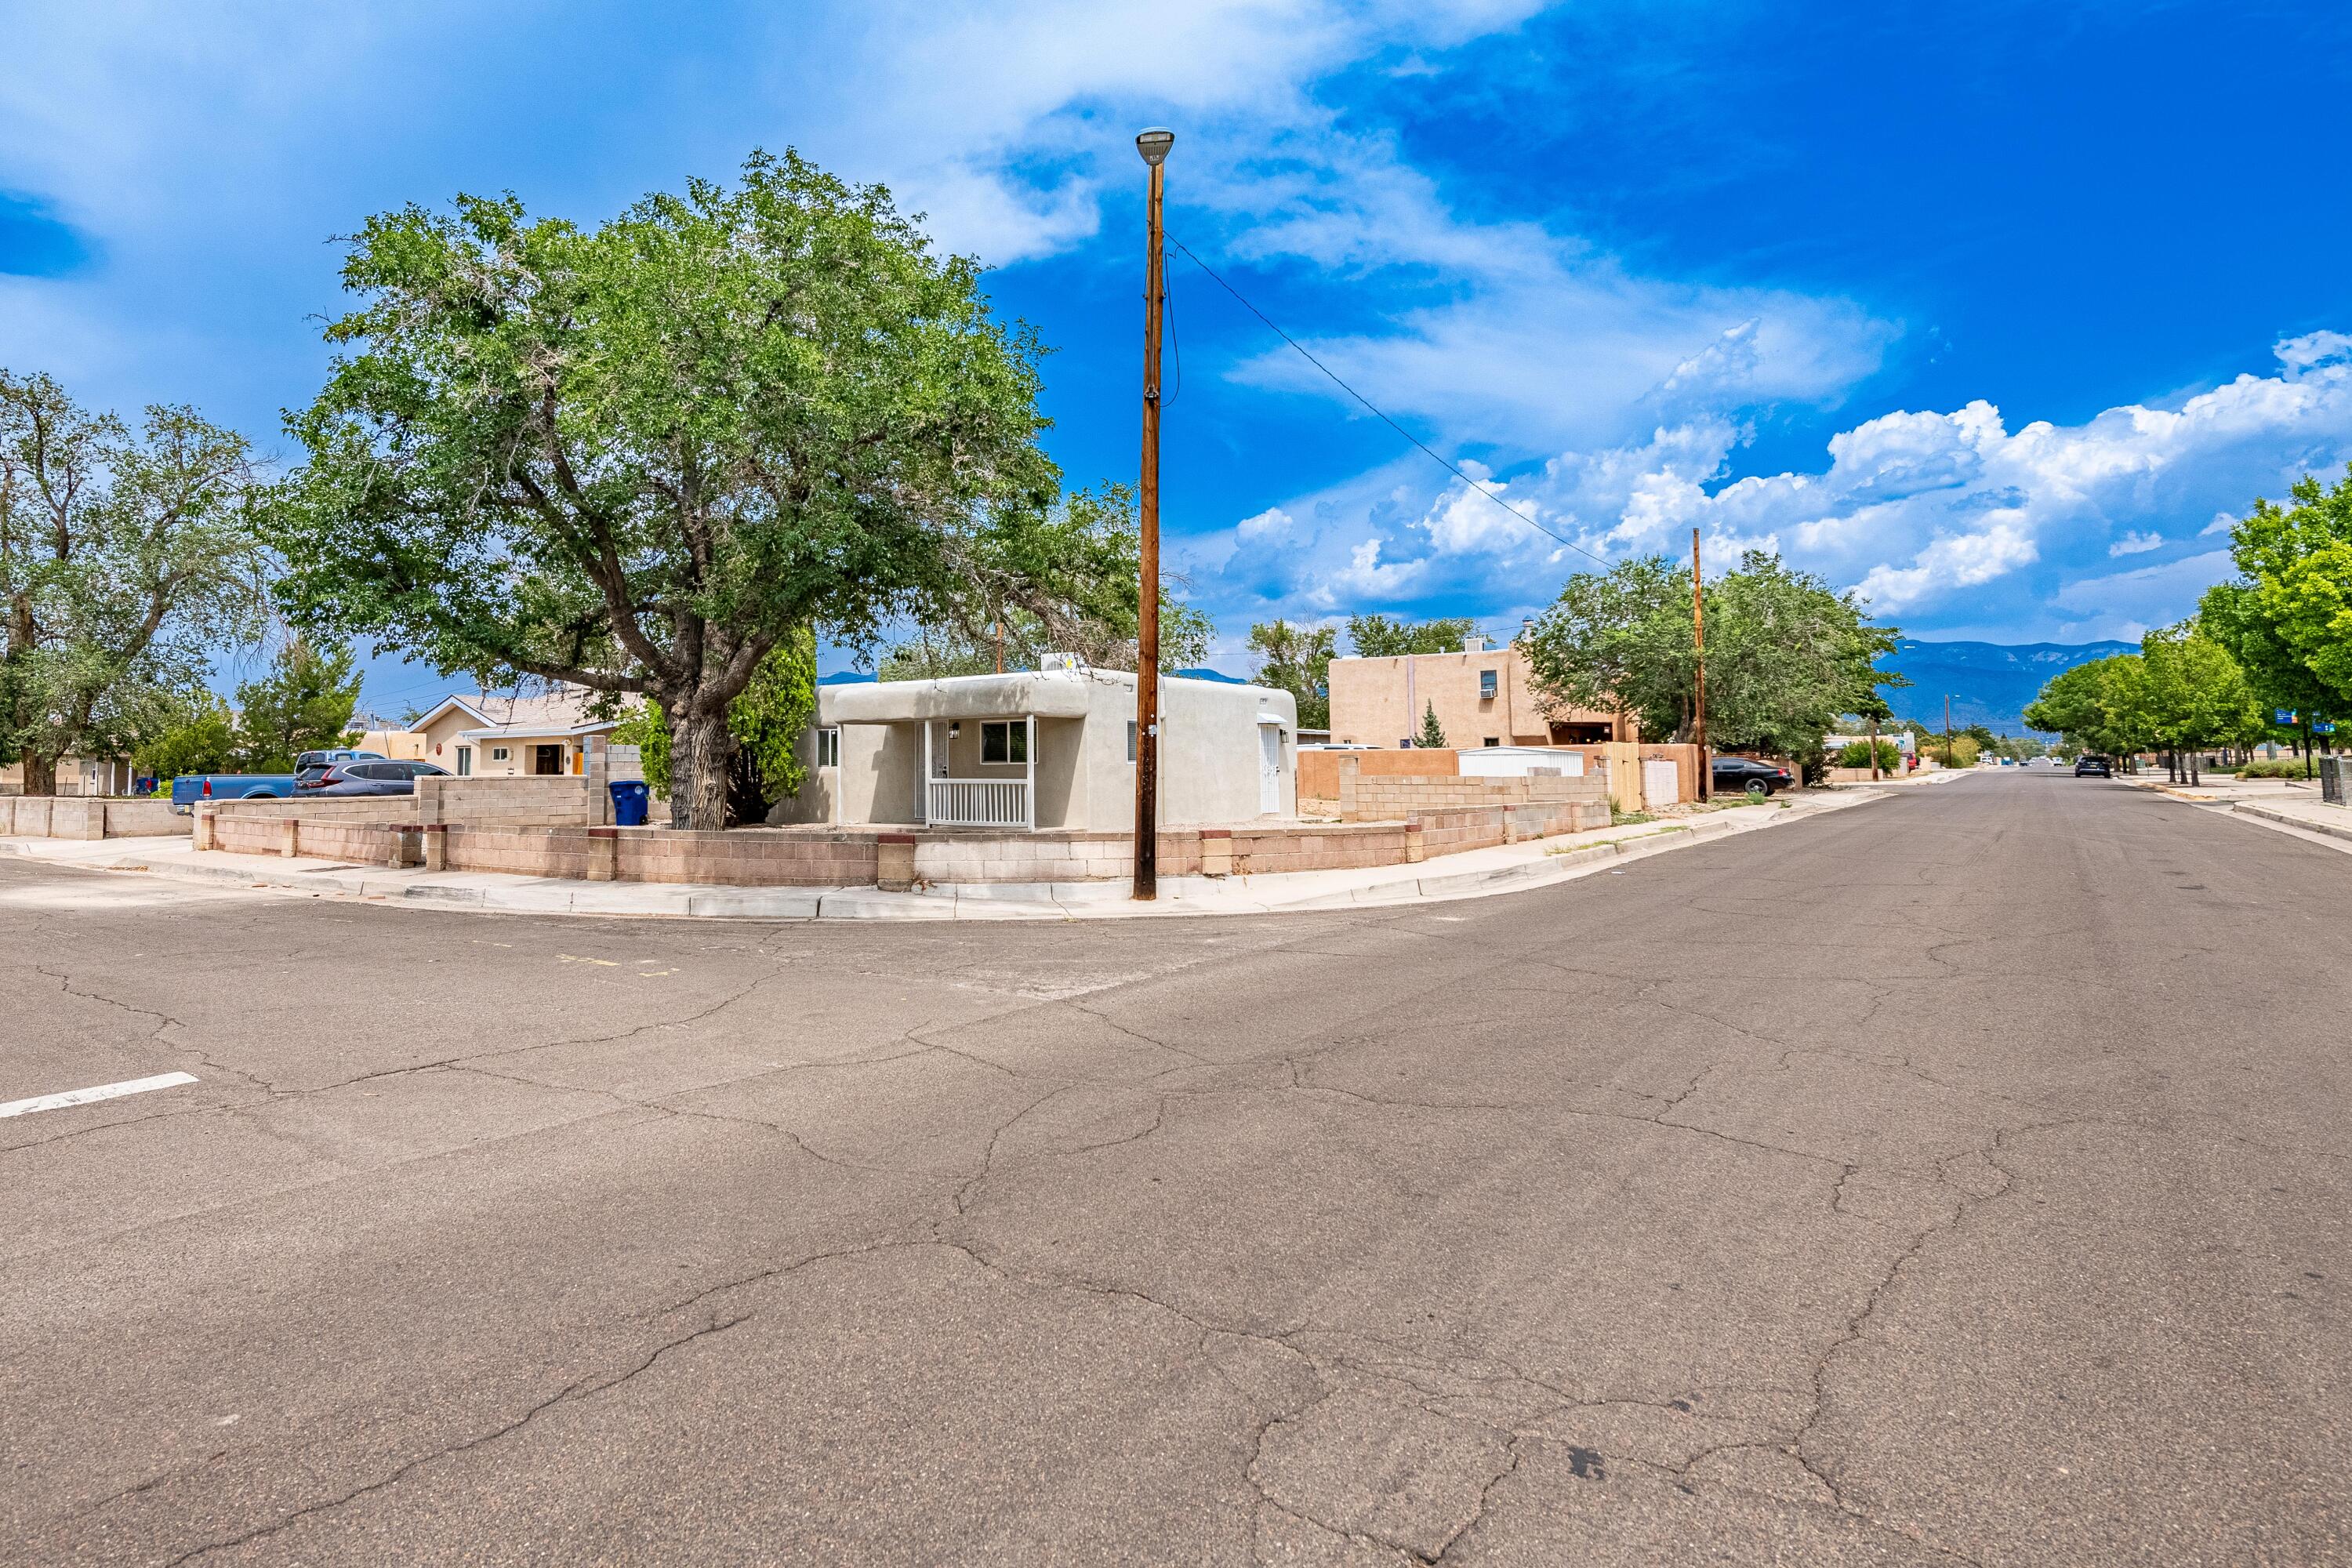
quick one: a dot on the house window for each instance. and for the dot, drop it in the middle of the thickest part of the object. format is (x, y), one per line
(1003, 740)
(465, 760)
(828, 748)
(1130, 739)
(1494, 740)
(498, 754)
(1486, 686)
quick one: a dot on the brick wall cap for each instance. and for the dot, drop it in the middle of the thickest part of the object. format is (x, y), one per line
(1217, 833)
(894, 838)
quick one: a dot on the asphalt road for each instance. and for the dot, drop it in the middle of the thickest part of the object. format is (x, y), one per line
(1960, 1179)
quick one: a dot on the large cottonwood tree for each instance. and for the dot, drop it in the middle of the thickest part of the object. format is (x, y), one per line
(639, 456)
(128, 557)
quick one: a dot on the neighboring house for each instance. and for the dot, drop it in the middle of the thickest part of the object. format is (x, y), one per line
(1049, 749)
(506, 734)
(1901, 740)
(77, 775)
(1482, 697)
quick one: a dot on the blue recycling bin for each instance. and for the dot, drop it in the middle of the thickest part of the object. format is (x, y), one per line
(629, 800)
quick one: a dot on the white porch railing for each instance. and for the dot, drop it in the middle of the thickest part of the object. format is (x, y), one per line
(979, 803)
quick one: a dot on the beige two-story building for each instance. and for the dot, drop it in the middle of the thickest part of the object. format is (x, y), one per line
(1482, 697)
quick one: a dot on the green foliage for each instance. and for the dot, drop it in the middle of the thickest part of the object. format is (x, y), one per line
(1380, 637)
(1297, 659)
(2276, 768)
(1060, 579)
(1431, 735)
(303, 704)
(1786, 654)
(768, 722)
(640, 457)
(2290, 619)
(195, 732)
(2181, 693)
(1857, 756)
(126, 558)
(1962, 751)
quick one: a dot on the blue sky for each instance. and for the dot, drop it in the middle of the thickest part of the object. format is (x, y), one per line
(1995, 313)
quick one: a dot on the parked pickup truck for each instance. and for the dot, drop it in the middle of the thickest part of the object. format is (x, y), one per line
(188, 790)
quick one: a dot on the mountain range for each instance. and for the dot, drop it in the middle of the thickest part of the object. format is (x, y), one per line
(1988, 683)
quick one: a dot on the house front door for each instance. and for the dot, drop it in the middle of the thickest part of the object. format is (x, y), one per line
(547, 759)
(1269, 770)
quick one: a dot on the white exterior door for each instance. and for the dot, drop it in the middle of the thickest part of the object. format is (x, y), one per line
(1269, 770)
(1661, 781)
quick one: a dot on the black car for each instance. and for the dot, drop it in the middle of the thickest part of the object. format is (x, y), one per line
(1735, 776)
(375, 778)
(2086, 767)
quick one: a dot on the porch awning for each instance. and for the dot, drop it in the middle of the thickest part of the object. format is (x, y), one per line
(1052, 694)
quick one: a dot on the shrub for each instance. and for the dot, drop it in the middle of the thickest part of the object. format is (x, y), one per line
(1857, 756)
(2274, 768)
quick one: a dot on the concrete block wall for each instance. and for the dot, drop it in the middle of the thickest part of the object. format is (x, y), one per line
(87, 816)
(1375, 797)
(742, 857)
(555, 800)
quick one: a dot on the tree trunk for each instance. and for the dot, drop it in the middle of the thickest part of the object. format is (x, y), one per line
(700, 747)
(40, 774)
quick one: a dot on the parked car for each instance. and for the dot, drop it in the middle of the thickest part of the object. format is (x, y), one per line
(190, 788)
(2086, 767)
(376, 777)
(1738, 774)
(311, 767)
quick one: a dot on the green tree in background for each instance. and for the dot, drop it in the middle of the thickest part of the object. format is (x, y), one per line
(1297, 659)
(194, 733)
(769, 722)
(127, 558)
(641, 457)
(303, 704)
(2193, 696)
(1786, 654)
(2296, 563)
(1039, 580)
(1380, 637)
(1432, 734)
(2100, 706)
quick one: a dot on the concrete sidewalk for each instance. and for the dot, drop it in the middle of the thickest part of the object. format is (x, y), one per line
(1505, 868)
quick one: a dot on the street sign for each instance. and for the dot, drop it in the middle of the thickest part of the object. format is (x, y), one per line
(2324, 727)
(2283, 715)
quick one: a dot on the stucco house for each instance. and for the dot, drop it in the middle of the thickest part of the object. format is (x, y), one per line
(1046, 749)
(506, 734)
(1482, 697)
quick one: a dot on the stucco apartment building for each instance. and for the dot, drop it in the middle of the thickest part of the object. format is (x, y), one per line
(1482, 697)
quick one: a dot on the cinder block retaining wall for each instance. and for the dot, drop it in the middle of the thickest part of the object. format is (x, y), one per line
(86, 816)
(1378, 797)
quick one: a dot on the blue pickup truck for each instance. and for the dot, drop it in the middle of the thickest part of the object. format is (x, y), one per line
(188, 790)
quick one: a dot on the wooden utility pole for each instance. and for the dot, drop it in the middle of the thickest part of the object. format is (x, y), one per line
(1698, 649)
(1874, 751)
(1947, 729)
(1153, 146)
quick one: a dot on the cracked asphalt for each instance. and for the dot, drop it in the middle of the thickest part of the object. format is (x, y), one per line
(1959, 1180)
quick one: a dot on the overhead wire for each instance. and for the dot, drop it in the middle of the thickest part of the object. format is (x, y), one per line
(1477, 486)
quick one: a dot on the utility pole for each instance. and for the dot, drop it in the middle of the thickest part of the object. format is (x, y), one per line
(1873, 749)
(1698, 649)
(1947, 729)
(1153, 145)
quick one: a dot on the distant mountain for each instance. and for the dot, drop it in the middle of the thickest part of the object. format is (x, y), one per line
(1990, 683)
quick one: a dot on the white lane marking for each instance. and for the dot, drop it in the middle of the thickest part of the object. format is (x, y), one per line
(90, 1096)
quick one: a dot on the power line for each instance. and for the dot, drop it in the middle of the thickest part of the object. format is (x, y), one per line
(1476, 486)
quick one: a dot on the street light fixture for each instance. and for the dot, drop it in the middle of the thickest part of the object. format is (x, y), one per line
(1153, 145)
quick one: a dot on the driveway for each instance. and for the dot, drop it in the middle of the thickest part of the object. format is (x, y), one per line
(1960, 1179)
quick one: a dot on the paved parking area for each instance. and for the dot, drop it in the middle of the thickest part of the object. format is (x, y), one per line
(1960, 1178)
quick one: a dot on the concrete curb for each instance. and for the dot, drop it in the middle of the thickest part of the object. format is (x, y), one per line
(2331, 829)
(1180, 896)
